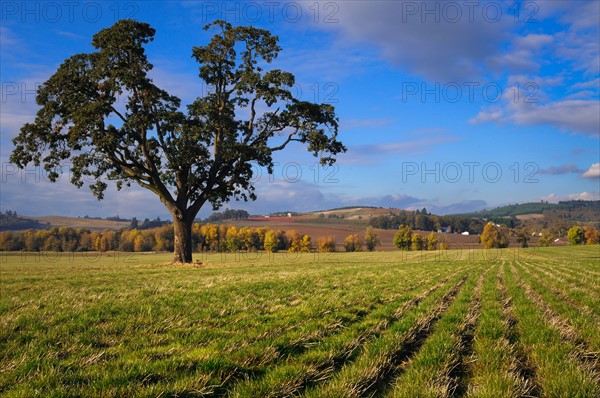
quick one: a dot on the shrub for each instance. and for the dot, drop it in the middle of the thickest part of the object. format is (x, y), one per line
(432, 241)
(294, 240)
(576, 236)
(403, 238)
(326, 244)
(493, 237)
(547, 238)
(371, 239)
(272, 240)
(592, 236)
(353, 243)
(305, 244)
(417, 242)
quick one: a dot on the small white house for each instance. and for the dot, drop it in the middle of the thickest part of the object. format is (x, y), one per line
(465, 233)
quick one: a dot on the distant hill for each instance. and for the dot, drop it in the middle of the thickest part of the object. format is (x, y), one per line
(10, 221)
(93, 224)
(351, 208)
(538, 215)
(573, 210)
(514, 210)
(351, 212)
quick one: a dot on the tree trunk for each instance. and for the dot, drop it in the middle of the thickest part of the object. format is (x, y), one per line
(183, 240)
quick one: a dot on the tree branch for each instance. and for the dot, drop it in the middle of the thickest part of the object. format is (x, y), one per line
(287, 141)
(265, 132)
(118, 114)
(252, 116)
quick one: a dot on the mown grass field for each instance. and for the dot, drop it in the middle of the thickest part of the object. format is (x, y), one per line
(474, 323)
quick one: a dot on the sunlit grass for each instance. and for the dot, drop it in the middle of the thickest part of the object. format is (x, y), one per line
(258, 324)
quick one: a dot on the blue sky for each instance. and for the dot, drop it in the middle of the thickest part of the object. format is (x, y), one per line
(454, 106)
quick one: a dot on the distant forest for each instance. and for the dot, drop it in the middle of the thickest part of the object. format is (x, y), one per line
(206, 237)
(228, 215)
(10, 221)
(424, 221)
(558, 217)
(574, 210)
(147, 224)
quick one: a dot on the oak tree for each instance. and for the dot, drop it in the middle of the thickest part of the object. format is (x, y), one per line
(102, 112)
(576, 235)
(493, 236)
(432, 241)
(371, 239)
(403, 238)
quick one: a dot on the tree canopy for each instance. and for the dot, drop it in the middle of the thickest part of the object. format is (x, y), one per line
(493, 236)
(103, 113)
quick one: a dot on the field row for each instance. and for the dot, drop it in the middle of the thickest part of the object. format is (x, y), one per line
(446, 329)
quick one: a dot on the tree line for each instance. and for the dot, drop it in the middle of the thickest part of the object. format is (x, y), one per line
(406, 239)
(574, 210)
(423, 221)
(496, 236)
(585, 235)
(222, 238)
(10, 220)
(228, 214)
(147, 224)
(205, 238)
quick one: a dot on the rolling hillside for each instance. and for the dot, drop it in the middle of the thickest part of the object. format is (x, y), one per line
(576, 210)
(77, 222)
(352, 219)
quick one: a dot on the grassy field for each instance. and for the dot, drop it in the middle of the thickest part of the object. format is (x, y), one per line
(475, 323)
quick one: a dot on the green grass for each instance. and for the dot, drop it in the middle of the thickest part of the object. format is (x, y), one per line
(317, 363)
(342, 324)
(557, 370)
(378, 360)
(580, 327)
(430, 372)
(494, 361)
(581, 290)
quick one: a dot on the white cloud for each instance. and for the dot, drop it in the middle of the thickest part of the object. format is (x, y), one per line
(580, 50)
(562, 169)
(8, 40)
(591, 84)
(416, 142)
(24, 191)
(18, 107)
(408, 202)
(186, 86)
(431, 39)
(364, 123)
(534, 41)
(71, 35)
(573, 115)
(593, 171)
(578, 43)
(581, 14)
(528, 101)
(524, 55)
(460, 41)
(491, 114)
(555, 198)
